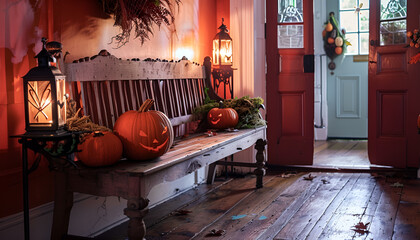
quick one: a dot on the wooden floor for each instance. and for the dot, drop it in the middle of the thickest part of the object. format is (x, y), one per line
(330, 206)
(343, 153)
(333, 205)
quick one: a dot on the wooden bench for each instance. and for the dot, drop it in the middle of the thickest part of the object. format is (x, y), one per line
(106, 87)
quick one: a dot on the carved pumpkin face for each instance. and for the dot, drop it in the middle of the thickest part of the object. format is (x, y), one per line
(222, 118)
(214, 120)
(144, 134)
(157, 142)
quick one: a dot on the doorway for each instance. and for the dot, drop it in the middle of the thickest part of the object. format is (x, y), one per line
(392, 88)
(341, 102)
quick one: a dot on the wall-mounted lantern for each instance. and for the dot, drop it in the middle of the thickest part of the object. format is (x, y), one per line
(44, 96)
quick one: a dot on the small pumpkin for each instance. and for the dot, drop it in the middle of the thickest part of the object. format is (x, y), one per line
(145, 134)
(222, 118)
(330, 40)
(338, 50)
(329, 27)
(100, 149)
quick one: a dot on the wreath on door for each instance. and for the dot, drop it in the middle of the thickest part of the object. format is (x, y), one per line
(414, 41)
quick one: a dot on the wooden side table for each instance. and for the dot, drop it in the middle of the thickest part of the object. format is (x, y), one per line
(56, 147)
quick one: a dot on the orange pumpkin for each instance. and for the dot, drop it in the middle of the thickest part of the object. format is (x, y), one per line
(339, 50)
(145, 133)
(329, 27)
(100, 149)
(331, 40)
(222, 118)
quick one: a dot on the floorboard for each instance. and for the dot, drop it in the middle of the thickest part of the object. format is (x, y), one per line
(330, 206)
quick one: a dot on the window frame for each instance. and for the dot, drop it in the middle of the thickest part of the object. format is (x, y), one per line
(358, 32)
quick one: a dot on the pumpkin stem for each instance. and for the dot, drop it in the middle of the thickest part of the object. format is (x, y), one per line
(146, 105)
(97, 134)
(221, 104)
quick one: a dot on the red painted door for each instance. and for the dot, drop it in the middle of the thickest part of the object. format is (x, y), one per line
(394, 85)
(290, 85)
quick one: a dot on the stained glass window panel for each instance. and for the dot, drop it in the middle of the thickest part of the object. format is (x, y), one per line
(290, 36)
(290, 11)
(392, 9)
(393, 32)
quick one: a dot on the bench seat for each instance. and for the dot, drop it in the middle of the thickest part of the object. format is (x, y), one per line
(185, 157)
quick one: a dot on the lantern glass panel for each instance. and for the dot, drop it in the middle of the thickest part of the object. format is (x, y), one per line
(39, 104)
(226, 52)
(216, 52)
(61, 101)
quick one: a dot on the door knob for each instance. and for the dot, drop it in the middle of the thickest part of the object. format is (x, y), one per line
(372, 42)
(372, 62)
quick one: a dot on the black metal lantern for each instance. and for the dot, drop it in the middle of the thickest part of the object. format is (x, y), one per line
(44, 96)
(222, 47)
(222, 71)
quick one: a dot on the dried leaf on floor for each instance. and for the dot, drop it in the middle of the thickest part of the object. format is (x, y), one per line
(397, 185)
(287, 175)
(309, 177)
(361, 228)
(215, 233)
(181, 212)
(325, 181)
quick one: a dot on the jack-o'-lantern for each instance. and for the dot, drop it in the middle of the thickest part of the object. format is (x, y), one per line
(222, 118)
(100, 149)
(145, 133)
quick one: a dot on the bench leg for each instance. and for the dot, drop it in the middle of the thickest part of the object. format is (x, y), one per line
(63, 202)
(260, 156)
(135, 211)
(211, 173)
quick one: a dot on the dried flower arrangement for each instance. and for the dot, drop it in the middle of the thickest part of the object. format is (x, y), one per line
(139, 15)
(414, 41)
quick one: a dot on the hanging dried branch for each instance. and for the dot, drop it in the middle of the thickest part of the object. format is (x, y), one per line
(139, 15)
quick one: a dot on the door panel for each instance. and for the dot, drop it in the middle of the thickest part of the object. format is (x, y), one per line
(348, 105)
(393, 85)
(290, 89)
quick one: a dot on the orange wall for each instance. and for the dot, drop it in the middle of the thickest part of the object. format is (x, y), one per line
(84, 30)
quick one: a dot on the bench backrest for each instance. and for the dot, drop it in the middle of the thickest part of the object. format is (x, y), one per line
(106, 87)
